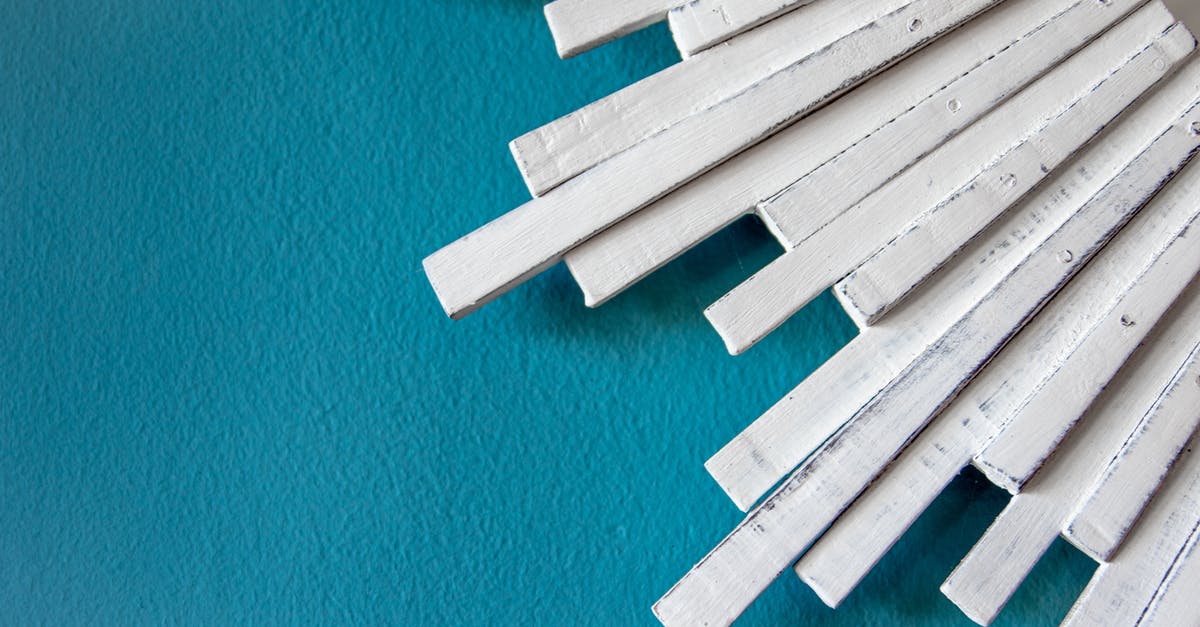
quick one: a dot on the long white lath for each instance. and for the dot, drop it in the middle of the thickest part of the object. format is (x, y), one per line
(1001, 194)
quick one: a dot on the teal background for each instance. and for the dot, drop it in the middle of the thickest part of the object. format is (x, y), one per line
(227, 394)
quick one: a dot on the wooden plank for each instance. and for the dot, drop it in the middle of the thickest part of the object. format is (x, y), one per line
(991, 572)
(1132, 478)
(580, 25)
(480, 266)
(867, 530)
(727, 580)
(774, 444)
(1000, 54)
(702, 24)
(1175, 602)
(576, 142)
(934, 237)
(1121, 590)
(839, 243)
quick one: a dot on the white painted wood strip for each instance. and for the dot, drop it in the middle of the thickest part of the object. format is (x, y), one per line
(480, 266)
(727, 580)
(578, 141)
(702, 24)
(1016, 43)
(774, 444)
(1174, 605)
(937, 235)
(1132, 478)
(864, 533)
(580, 25)
(764, 301)
(1121, 590)
(991, 572)
(1047, 417)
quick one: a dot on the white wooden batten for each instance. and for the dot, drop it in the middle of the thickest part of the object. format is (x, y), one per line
(999, 193)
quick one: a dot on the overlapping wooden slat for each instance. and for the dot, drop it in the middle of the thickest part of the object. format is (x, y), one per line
(1175, 602)
(1129, 482)
(934, 237)
(862, 535)
(576, 142)
(702, 24)
(480, 266)
(580, 25)
(988, 58)
(836, 246)
(997, 564)
(783, 437)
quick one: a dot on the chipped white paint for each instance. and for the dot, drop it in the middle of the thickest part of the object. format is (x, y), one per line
(702, 24)
(580, 25)
(785, 435)
(1122, 590)
(864, 533)
(935, 236)
(484, 264)
(1129, 482)
(1175, 602)
(992, 58)
(576, 142)
(841, 240)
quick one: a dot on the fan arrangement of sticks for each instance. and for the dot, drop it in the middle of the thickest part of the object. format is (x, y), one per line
(999, 194)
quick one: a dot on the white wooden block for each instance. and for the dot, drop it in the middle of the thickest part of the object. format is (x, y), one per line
(991, 572)
(480, 266)
(576, 142)
(726, 581)
(935, 236)
(702, 24)
(1016, 43)
(1122, 590)
(774, 444)
(759, 305)
(580, 25)
(1174, 604)
(1132, 478)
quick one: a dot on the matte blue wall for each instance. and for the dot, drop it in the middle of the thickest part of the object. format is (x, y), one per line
(228, 395)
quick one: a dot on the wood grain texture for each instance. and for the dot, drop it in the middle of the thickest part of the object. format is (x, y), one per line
(1175, 602)
(1018, 41)
(773, 535)
(1134, 475)
(578, 141)
(764, 301)
(1122, 590)
(484, 264)
(775, 443)
(935, 236)
(997, 564)
(702, 24)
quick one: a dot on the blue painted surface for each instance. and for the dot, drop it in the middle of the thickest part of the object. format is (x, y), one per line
(227, 394)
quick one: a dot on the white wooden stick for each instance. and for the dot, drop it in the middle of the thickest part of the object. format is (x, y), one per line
(991, 572)
(702, 24)
(756, 307)
(1132, 478)
(1175, 602)
(937, 235)
(1018, 451)
(724, 583)
(580, 25)
(1121, 590)
(864, 533)
(1015, 44)
(576, 142)
(790, 431)
(480, 266)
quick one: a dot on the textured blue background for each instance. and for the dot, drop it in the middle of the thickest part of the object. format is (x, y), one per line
(227, 393)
